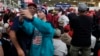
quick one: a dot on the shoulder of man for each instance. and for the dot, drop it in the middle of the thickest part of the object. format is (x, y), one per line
(15, 24)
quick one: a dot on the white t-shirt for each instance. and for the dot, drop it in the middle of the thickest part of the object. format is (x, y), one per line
(60, 48)
(65, 19)
(93, 41)
(35, 15)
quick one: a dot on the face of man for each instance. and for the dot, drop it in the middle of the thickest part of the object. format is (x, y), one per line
(32, 9)
(41, 14)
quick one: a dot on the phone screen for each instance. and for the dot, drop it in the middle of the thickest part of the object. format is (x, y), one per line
(23, 5)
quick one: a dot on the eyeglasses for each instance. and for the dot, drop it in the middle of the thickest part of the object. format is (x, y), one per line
(32, 8)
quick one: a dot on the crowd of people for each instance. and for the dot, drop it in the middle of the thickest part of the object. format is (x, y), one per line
(36, 31)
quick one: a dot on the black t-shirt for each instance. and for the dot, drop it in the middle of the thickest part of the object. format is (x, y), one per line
(82, 27)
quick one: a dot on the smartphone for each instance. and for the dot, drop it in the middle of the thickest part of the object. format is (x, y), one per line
(23, 5)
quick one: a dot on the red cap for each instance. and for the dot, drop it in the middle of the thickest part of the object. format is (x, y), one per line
(32, 4)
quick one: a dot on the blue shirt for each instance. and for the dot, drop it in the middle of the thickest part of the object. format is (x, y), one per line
(22, 37)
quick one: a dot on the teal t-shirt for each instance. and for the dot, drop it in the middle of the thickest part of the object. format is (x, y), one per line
(42, 44)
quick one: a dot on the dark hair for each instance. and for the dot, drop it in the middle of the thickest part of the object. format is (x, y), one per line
(63, 12)
(50, 11)
(56, 36)
(82, 11)
(88, 9)
(11, 16)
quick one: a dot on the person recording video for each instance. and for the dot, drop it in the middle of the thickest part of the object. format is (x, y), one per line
(21, 40)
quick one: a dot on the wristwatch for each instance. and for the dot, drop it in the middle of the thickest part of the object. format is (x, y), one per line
(0, 43)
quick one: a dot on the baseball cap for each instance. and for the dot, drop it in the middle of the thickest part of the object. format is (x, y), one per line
(82, 7)
(6, 25)
(32, 4)
(43, 10)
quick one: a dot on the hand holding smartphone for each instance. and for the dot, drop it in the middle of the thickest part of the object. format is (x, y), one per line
(23, 4)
